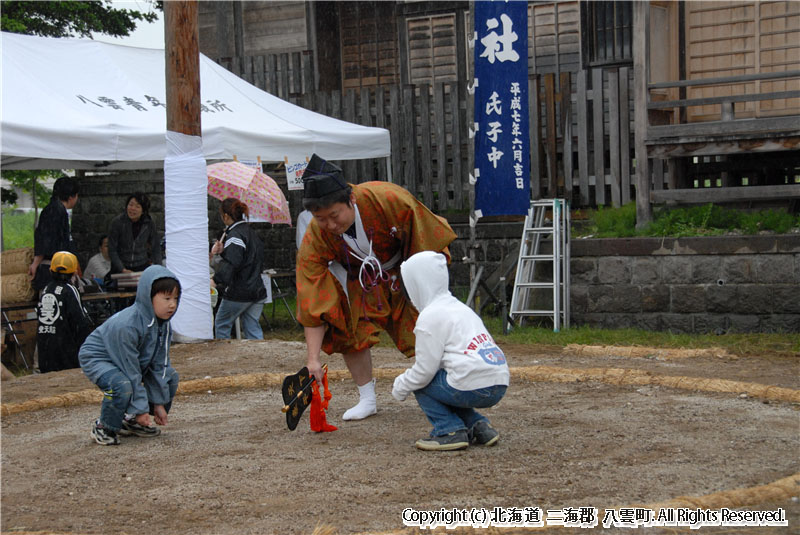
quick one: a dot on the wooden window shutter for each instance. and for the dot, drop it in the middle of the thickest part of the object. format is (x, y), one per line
(432, 49)
(369, 44)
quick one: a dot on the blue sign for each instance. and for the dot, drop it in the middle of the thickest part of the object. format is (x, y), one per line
(502, 147)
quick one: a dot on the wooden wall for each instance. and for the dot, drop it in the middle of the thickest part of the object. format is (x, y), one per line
(735, 38)
(404, 67)
(262, 27)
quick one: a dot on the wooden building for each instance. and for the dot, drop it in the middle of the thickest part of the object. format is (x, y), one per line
(705, 94)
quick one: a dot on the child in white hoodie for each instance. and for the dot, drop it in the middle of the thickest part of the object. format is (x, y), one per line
(458, 367)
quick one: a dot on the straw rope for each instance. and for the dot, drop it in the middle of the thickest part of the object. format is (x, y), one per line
(545, 374)
(779, 490)
(644, 352)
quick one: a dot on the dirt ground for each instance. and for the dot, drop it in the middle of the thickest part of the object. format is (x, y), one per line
(226, 463)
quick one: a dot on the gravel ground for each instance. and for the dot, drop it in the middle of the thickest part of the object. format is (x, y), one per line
(226, 464)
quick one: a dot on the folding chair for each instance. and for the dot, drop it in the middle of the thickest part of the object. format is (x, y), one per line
(277, 293)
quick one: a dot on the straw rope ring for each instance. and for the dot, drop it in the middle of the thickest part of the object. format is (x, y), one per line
(781, 489)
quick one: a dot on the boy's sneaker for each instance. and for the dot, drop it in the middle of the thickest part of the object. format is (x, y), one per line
(132, 427)
(103, 436)
(457, 440)
(484, 434)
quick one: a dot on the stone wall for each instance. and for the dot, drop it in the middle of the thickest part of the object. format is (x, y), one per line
(720, 284)
(700, 285)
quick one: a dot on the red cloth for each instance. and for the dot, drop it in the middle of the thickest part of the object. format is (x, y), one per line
(319, 423)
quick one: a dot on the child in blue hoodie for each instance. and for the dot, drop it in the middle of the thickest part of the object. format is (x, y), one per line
(127, 357)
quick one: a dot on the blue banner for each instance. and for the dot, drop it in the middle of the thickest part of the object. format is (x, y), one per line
(502, 147)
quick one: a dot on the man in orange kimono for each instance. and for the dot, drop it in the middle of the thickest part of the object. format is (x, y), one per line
(348, 268)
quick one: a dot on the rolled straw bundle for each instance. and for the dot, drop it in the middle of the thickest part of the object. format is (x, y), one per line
(16, 260)
(16, 288)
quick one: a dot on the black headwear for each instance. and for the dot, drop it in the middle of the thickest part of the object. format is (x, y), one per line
(321, 178)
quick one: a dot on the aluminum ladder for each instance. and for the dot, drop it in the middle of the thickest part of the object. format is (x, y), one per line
(530, 296)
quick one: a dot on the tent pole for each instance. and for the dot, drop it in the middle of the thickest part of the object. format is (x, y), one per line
(185, 177)
(389, 168)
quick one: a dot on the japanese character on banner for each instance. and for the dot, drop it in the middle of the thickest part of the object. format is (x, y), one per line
(502, 145)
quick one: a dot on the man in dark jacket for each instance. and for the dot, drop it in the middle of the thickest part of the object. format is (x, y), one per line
(52, 234)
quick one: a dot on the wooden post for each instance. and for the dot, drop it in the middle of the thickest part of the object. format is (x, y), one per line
(182, 51)
(641, 57)
(473, 221)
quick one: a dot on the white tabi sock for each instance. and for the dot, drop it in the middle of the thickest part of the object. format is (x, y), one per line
(367, 404)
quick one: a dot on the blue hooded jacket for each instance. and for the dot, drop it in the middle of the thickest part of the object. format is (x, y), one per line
(136, 343)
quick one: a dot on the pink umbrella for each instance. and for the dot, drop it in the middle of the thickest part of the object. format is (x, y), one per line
(257, 190)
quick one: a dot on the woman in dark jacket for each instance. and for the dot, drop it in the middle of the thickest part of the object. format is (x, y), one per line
(238, 273)
(133, 242)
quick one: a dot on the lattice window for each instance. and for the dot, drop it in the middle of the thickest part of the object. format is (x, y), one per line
(607, 33)
(432, 49)
(368, 44)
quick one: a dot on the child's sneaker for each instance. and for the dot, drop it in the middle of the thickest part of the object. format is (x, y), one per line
(132, 427)
(457, 440)
(484, 434)
(103, 436)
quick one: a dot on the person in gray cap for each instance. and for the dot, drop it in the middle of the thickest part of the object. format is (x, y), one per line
(369, 229)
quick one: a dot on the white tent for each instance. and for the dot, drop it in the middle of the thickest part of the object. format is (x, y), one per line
(72, 103)
(82, 104)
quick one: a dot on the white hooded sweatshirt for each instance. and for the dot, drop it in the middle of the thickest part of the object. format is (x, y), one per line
(449, 334)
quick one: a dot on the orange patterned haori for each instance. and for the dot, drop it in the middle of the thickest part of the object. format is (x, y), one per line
(395, 221)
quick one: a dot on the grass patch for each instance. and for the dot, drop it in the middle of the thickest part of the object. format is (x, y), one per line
(741, 344)
(17, 229)
(705, 220)
(753, 344)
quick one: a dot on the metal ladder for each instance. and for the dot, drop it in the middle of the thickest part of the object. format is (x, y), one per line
(528, 298)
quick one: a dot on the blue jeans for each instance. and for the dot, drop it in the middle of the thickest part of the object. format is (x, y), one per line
(227, 313)
(449, 409)
(117, 393)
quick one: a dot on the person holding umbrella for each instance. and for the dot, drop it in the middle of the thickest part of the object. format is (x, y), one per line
(237, 257)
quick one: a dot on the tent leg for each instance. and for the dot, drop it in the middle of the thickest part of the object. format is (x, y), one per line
(389, 168)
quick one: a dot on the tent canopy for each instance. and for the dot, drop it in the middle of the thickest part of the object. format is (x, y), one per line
(84, 104)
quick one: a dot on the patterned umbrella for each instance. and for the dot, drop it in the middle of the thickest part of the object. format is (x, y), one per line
(256, 189)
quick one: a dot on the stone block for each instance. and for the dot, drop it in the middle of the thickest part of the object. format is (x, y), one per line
(457, 250)
(676, 269)
(614, 270)
(647, 322)
(579, 298)
(645, 271)
(754, 299)
(739, 323)
(687, 298)
(710, 323)
(774, 268)
(614, 298)
(496, 250)
(583, 270)
(618, 321)
(739, 269)
(677, 323)
(706, 269)
(780, 323)
(721, 299)
(785, 298)
(797, 268)
(655, 298)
